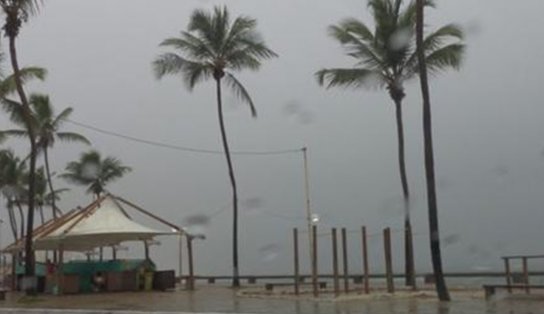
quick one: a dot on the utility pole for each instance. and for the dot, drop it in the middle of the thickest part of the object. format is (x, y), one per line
(307, 193)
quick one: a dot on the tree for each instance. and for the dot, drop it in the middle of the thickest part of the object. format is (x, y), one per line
(46, 125)
(12, 174)
(441, 288)
(94, 172)
(208, 50)
(16, 12)
(386, 58)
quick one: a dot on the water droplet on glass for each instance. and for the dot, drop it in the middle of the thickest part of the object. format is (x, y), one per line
(401, 39)
(196, 224)
(269, 252)
(90, 170)
(305, 117)
(291, 108)
(451, 239)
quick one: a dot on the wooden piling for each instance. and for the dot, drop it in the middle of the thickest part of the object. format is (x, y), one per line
(314, 262)
(525, 274)
(508, 274)
(388, 260)
(191, 279)
(365, 260)
(345, 260)
(335, 263)
(295, 255)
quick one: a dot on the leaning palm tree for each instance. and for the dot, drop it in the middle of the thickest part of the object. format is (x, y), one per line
(211, 47)
(46, 125)
(95, 172)
(386, 58)
(17, 12)
(424, 66)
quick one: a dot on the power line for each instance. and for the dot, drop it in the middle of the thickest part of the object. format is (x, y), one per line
(180, 148)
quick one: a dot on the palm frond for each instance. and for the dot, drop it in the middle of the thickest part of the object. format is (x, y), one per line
(364, 51)
(190, 44)
(8, 86)
(240, 91)
(192, 72)
(63, 116)
(13, 133)
(350, 78)
(450, 56)
(72, 137)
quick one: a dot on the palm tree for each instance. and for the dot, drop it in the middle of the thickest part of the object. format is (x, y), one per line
(46, 125)
(13, 176)
(94, 172)
(386, 58)
(212, 46)
(16, 12)
(441, 288)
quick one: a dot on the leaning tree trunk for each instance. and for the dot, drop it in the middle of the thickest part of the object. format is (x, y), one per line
(50, 182)
(441, 288)
(29, 252)
(408, 239)
(12, 222)
(22, 217)
(235, 269)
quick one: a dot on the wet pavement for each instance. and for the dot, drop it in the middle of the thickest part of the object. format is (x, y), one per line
(224, 300)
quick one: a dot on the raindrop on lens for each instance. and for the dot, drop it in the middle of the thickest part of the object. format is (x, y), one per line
(90, 170)
(269, 252)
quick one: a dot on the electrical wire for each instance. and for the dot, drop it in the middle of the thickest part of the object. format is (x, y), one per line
(180, 148)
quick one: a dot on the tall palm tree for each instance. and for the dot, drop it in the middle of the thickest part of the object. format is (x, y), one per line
(46, 125)
(211, 47)
(441, 288)
(386, 58)
(93, 171)
(17, 12)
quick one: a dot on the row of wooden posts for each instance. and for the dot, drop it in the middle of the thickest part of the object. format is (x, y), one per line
(335, 264)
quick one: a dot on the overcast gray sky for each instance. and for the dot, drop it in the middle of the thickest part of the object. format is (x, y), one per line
(487, 124)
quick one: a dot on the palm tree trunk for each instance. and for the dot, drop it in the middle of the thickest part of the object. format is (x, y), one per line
(12, 222)
(408, 239)
(50, 182)
(22, 216)
(29, 253)
(41, 214)
(235, 270)
(441, 288)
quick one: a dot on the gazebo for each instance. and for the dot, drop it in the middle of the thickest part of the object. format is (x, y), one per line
(105, 222)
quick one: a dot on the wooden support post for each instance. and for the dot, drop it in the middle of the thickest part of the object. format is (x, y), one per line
(525, 274)
(314, 261)
(14, 263)
(114, 252)
(60, 271)
(101, 254)
(345, 259)
(146, 250)
(295, 255)
(388, 260)
(365, 261)
(191, 279)
(508, 274)
(335, 263)
(180, 261)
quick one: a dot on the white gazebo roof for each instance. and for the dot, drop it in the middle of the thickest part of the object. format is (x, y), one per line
(105, 222)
